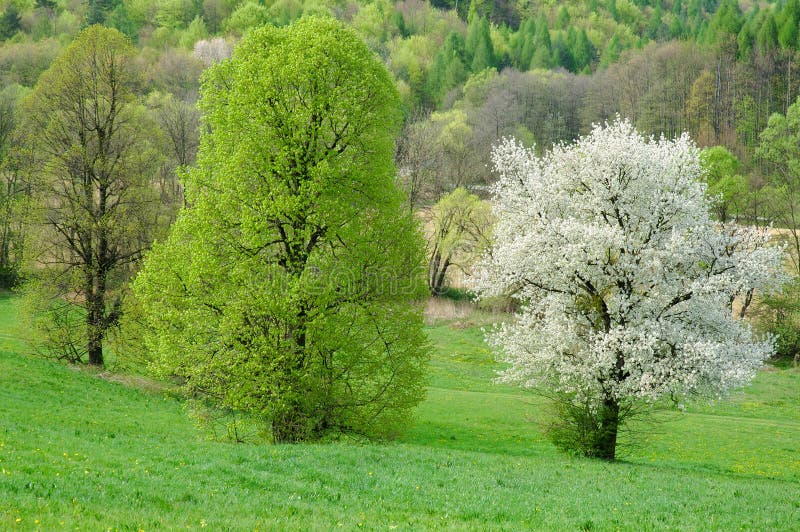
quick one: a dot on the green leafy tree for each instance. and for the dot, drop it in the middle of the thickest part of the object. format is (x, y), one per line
(779, 314)
(460, 231)
(248, 15)
(10, 22)
(726, 187)
(448, 70)
(96, 205)
(286, 289)
(196, 31)
(780, 149)
(14, 191)
(119, 18)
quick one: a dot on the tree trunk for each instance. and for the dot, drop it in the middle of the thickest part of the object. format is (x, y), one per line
(95, 329)
(95, 316)
(437, 288)
(606, 443)
(290, 425)
(95, 346)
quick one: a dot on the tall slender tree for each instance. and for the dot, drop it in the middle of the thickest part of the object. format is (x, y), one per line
(94, 163)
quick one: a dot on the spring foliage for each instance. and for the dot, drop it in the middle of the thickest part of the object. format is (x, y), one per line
(95, 208)
(287, 288)
(626, 283)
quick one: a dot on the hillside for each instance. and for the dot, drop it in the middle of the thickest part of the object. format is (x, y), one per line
(80, 452)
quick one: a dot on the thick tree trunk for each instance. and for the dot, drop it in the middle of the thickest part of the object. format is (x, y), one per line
(606, 443)
(95, 315)
(95, 330)
(438, 277)
(95, 347)
(291, 424)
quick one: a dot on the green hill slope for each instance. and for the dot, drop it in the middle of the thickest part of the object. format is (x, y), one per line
(80, 452)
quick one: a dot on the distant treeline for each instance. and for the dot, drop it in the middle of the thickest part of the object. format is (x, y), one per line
(468, 74)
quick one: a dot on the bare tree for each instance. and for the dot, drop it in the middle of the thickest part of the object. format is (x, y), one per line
(179, 122)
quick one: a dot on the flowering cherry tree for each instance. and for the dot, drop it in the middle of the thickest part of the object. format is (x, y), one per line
(626, 284)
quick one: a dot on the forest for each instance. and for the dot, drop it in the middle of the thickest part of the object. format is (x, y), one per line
(468, 75)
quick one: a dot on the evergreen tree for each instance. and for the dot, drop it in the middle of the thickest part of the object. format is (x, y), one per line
(543, 49)
(727, 21)
(447, 70)
(611, 6)
(767, 37)
(483, 57)
(478, 46)
(99, 10)
(525, 44)
(676, 28)
(787, 37)
(694, 15)
(10, 22)
(611, 52)
(400, 22)
(120, 19)
(787, 20)
(542, 58)
(790, 12)
(562, 54)
(656, 29)
(563, 20)
(746, 41)
(583, 52)
(473, 35)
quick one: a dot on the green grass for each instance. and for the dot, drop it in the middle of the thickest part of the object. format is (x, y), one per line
(80, 452)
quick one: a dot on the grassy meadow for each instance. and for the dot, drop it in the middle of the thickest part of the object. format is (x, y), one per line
(81, 451)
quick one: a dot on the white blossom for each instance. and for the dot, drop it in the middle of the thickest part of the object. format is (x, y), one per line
(625, 281)
(211, 51)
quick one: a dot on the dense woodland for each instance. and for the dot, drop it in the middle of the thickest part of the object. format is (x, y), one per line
(468, 73)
